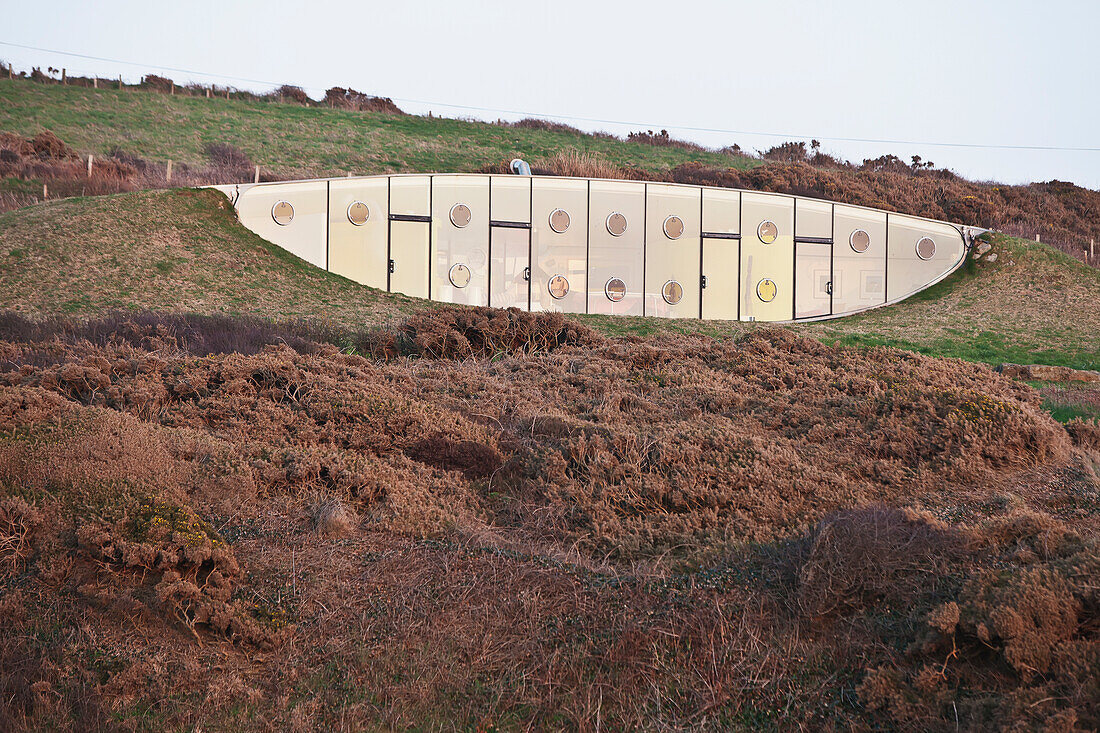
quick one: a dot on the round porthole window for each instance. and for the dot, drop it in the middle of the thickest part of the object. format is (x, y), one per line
(460, 215)
(615, 289)
(926, 248)
(767, 231)
(859, 241)
(282, 212)
(674, 227)
(672, 292)
(559, 220)
(358, 213)
(766, 290)
(460, 275)
(616, 224)
(558, 287)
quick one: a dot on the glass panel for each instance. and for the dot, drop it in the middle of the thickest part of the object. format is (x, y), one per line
(812, 278)
(460, 235)
(859, 276)
(409, 252)
(721, 260)
(914, 263)
(357, 230)
(509, 260)
(563, 252)
(619, 257)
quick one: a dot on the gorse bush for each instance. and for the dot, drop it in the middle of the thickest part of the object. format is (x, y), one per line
(462, 332)
(227, 507)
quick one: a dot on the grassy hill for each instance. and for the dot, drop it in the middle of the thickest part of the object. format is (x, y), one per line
(655, 533)
(298, 141)
(183, 250)
(222, 524)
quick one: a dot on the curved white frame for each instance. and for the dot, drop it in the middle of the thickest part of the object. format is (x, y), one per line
(902, 272)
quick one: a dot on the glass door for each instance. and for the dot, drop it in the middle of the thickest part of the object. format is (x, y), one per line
(510, 267)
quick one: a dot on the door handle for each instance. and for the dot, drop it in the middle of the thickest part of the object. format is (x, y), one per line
(392, 268)
(703, 282)
(829, 287)
(527, 273)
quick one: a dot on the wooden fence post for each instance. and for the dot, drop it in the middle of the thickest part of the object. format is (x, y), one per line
(63, 76)
(89, 166)
(173, 88)
(120, 82)
(1092, 249)
(168, 175)
(45, 192)
(208, 92)
(95, 82)
(1036, 237)
(257, 174)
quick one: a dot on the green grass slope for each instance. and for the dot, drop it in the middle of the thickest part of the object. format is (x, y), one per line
(298, 141)
(177, 250)
(182, 250)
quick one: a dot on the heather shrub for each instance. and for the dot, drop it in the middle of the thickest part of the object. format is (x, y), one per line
(872, 555)
(332, 518)
(224, 155)
(19, 522)
(662, 139)
(462, 332)
(554, 506)
(195, 334)
(342, 98)
(290, 93)
(157, 83)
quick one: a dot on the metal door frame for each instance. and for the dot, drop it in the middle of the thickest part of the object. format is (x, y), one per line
(493, 225)
(717, 236)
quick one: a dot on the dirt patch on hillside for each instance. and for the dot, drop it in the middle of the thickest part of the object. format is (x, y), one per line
(590, 532)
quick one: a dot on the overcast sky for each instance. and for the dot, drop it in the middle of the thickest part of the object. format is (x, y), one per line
(1008, 73)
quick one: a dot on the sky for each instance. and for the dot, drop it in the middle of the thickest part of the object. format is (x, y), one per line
(931, 78)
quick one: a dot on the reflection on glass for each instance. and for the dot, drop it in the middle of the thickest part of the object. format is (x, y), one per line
(859, 241)
(558, 286)
(460, 275)
(674, 227)
(926, 248)
(282, 212)
(615, 290)
(616, 224)
(767, 231)
(559, 220)
(460, 215)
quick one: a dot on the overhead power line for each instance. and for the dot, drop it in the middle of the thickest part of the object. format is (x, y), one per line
(597, 120)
